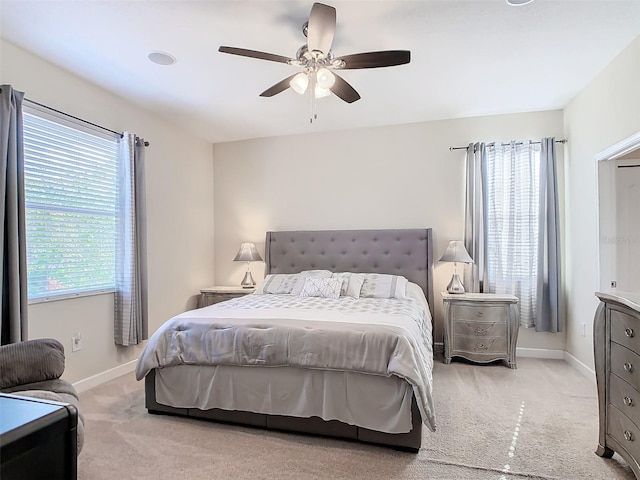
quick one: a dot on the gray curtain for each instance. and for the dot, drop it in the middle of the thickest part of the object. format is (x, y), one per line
(548, 293)
(475, 274)
(13, 321)
(131, 314)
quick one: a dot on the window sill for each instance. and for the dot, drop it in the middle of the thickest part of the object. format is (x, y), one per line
(67, 296)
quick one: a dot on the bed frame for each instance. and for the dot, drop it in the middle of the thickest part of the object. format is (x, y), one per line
(406, 252)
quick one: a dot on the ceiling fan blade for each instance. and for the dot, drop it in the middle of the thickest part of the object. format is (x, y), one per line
(387, 58)
(254, 54)
(344, 91)
(321, 28)
(281, 86)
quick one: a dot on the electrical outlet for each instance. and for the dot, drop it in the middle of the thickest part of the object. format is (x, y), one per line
(76, 342)
(583, 329)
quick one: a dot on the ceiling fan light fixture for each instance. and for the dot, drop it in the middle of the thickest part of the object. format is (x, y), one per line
(325, 78)
(299, 83)
(321, 92)
(316, 61)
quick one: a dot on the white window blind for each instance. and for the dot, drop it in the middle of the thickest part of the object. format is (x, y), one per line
(513, 189)
(70, 190)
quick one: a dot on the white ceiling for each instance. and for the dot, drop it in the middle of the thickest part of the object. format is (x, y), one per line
(469, 57)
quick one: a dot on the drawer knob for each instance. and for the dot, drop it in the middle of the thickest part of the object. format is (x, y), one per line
(481, 331)
(628, 367)
(479, 313)
(482, 346)
(628, 332)
(628, 401)
(628, 436)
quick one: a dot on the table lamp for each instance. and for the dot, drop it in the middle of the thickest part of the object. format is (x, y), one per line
(247, 253)
(456, 253)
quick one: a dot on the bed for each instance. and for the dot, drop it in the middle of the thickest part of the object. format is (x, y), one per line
(304, 390)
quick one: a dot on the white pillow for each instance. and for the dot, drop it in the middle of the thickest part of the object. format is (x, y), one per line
(321, 287)
(278, 283)
(382, 285)
(351, 283)
(302, 276)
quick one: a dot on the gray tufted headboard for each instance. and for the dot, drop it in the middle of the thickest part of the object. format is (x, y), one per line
(406, 252)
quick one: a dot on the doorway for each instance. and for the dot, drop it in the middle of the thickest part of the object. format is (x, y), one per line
(618, 174)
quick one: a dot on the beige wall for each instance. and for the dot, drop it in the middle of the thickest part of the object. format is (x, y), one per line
(180, 214)
(605, 113)
(384, 177)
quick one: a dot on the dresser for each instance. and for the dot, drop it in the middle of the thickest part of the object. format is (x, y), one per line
(616, 341)
(211, 295)
(481, 327)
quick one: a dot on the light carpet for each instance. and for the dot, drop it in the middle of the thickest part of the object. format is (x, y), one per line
(537, 422)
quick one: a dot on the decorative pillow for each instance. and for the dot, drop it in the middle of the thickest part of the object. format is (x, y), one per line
(381, 285)
(351, 283)
(321, 287)
(281, 283)
(302, 276)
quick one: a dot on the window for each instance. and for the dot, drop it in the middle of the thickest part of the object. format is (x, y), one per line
(70, 190)
(513, 189)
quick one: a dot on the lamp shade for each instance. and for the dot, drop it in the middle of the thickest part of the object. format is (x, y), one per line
(456, 253)
(299, 83)
(247, 253)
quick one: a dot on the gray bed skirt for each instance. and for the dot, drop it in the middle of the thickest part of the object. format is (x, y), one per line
(410, 441)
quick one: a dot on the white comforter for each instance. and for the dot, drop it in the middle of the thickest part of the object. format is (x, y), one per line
(369, 335)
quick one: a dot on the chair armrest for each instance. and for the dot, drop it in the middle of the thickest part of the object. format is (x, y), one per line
(31, 361)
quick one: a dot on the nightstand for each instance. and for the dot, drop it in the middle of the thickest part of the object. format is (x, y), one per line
(211, 295)
(481, 327)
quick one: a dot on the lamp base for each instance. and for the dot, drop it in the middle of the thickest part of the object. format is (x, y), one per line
(455, 285)
(247, 281)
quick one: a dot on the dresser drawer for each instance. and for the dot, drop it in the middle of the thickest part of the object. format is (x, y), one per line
(480, 329)
(488, 345)
(625, 330)
(623, 430)
(625, 364)
(625, 398)
(477, 312)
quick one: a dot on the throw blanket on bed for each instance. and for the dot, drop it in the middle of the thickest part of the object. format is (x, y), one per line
(369, 335)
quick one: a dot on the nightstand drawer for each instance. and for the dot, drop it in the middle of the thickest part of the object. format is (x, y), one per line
(213, 295)
(480, 329)
(476, 312)
(625, 330)
(488, 345)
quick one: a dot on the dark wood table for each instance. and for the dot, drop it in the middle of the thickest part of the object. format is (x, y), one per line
(38, 439)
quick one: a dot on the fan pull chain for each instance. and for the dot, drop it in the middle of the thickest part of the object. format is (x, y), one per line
(312, 92)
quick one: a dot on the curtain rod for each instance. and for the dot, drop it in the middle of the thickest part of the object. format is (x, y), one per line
(564, 140)
(146, 144)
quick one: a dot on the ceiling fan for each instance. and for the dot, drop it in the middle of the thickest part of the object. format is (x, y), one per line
(318, 62)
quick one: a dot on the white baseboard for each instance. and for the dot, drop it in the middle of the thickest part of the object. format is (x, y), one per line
(581, 367)
(100, 378)
(540, 353)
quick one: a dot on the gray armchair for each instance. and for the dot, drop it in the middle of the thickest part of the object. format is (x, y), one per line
(33, 368)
